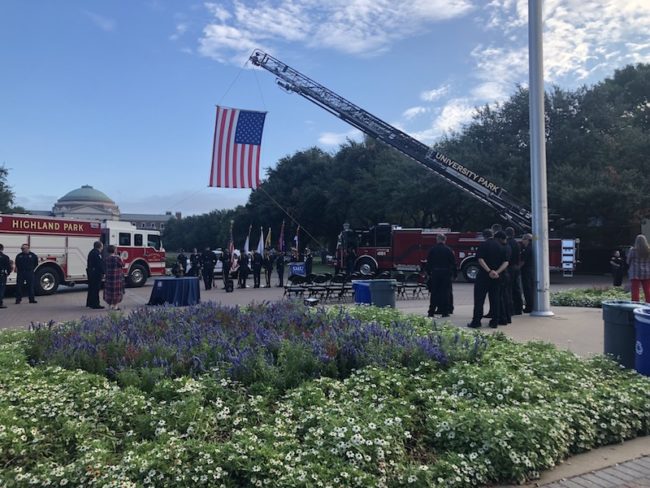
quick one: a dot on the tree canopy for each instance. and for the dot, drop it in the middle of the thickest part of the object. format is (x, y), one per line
(597, 142)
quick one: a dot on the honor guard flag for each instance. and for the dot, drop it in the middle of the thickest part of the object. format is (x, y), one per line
(236, 148)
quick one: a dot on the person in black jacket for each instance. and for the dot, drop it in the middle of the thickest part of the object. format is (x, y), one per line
(95, 272)
(244, 269)
(6, 267)
(268, 261)
(256, 265)
(181, 259)
(505, 285)
(527, 272)
(492, 261)
(208, 262)
(26, 263)
(279, 266)
(309, 259)
(226, 260)
(440, 267)
(514, 268)
(617, 264)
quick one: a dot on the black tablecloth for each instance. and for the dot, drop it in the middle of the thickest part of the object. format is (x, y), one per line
(176, 291)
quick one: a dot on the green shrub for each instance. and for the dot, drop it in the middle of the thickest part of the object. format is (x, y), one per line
(590, 297)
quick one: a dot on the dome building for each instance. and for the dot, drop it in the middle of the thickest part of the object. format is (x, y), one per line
(86, 203)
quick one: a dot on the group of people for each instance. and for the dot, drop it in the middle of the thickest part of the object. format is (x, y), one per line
(637, 265)
(238, 266)
(505, 276)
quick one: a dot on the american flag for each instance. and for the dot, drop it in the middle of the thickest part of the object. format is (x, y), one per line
(236, 148)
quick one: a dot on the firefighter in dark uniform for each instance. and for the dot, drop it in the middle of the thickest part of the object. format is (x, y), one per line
(244, 263)
(268, 262)
(527, 272)
(6, 267)
(514, 268)
(279, 266)
(226, 260)
(195, 263)
(440, 268)
(492, 261)
(309, 259)
(181, 259)
(256, 263)
(505, 285)
(208, 262)
(26, 263)
(94, 271)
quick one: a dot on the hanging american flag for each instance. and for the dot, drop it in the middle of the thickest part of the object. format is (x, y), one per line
(236, 148)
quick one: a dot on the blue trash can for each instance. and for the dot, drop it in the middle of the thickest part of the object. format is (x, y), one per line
(618, 318)
(642, 325)
(361, 291)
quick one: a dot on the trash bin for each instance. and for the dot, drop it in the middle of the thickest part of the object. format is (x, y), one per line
(642, 325)
(618, 316)
(361, 291)
(382, 293)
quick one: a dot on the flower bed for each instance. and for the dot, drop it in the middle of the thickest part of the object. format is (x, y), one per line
(587, 297)
(502, 413)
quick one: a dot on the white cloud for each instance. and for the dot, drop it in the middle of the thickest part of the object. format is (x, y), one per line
(104, 23)
(181, 28)
(361, 27)
(338, 138)
(435, 94)
(413, 112)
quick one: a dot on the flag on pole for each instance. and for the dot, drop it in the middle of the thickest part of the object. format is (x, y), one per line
(281, 238)
(231, 244)
(236, 148)
(260, 245)
(248, 239)
(268, 242)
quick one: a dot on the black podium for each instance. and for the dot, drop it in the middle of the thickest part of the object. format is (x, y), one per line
(179, 292)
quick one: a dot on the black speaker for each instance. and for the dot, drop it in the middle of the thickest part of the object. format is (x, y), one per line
(229, 286)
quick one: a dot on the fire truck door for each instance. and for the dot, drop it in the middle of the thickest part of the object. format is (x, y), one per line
(77, 255)
(50, 248)
(12, 245)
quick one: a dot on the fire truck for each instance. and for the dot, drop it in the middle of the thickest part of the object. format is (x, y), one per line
(62, 247)
(398, 246)
(387, 247)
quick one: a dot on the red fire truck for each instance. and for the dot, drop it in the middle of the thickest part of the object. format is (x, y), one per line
(386, 247)
(62, 247)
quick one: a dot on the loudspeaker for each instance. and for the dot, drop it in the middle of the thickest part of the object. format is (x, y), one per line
(229, 286)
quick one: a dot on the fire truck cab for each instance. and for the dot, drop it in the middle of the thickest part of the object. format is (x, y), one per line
(62, 246)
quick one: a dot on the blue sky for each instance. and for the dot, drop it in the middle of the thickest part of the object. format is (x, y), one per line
(120, 95)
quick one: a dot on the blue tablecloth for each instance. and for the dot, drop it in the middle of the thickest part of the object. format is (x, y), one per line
(176, 291)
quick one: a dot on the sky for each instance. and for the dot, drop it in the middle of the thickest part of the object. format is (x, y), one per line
(121, 95)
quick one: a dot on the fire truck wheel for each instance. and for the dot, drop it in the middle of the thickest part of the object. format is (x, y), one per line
(366, 266)
(470, 271)
(46, 281)
(137, 276)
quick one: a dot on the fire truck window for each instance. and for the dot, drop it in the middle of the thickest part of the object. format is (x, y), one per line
(125, 239)
(153, 241)
(382, 236)
(137, 240)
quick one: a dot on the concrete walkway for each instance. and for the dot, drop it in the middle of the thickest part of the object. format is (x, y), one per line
(580, 330)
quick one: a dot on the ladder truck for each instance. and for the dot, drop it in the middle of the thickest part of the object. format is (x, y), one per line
(457, 174)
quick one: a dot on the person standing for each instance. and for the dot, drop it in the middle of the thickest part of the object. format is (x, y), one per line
(26, 263)
(6, 267)
(492, 262)
(95, 272)
(527, 272)
(279, 266)
(256, 264)
(638, 261)
(225, 269)
(267, 263)
(514, 268)
(244, 269)
(441, 265)
(505, 285)
(309, 260)
(181, 259)
(208, 262)
(234, 266)
(195, 263)
(114, 279)
(618, 267)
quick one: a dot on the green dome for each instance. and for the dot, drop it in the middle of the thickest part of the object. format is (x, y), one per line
(85, 194)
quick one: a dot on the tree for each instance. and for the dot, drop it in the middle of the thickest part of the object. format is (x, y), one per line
(6, 194)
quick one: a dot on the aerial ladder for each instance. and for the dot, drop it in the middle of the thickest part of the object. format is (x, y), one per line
(481, 188)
